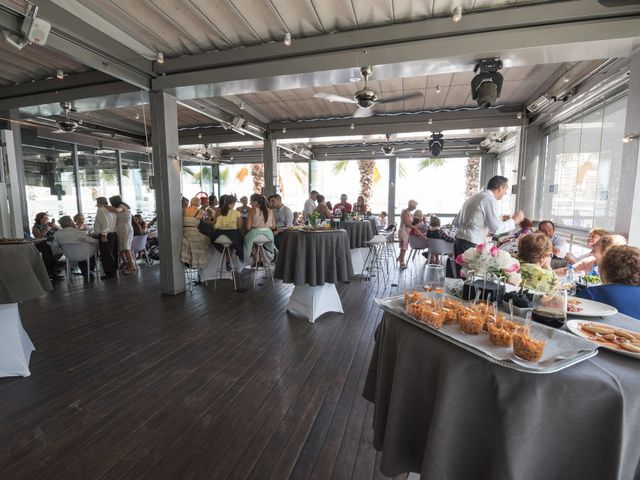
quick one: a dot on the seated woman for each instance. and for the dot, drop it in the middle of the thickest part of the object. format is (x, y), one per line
(78, 219)
(434, 230)
(322, 208)
(42, 230)
(381, 221)
(228, 223)
(620, 274)
(360, 207)
(261, 221)
(418, 224)
(195, 245)
(534, 252)
(297, 219)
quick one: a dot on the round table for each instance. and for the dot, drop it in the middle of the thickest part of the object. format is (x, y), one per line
(23, 276)
(445, 413)
(314, 261)
(359, 233)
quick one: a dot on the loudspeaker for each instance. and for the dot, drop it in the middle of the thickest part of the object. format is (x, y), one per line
(36, 30)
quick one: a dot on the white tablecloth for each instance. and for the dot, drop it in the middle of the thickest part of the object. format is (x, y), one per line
(15, 344)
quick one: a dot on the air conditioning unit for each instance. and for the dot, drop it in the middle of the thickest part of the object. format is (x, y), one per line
(36, 30)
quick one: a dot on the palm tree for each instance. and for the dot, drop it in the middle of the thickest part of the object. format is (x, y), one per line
(367, 169)
(431, 162)
(472, 176)
(257, 173)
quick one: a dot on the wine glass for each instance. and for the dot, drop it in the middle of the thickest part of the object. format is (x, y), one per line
(433, 281)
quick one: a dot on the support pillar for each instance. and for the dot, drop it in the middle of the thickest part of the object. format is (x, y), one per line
(391, 201)
(76, 176)
(270, 161)
(166, 168)
(11, 217)
(488, 169)
(529, 179)
(628, 208)
(119, 159)
(13, 125)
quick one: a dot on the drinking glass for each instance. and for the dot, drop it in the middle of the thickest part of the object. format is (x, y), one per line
(433, 281)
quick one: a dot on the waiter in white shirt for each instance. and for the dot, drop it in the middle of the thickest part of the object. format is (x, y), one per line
(480, 216)
(309, 205)
(105, 227)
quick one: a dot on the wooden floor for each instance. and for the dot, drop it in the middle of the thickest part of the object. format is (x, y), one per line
(127, 383)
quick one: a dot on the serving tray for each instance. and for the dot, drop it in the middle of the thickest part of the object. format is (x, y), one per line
(562, 349)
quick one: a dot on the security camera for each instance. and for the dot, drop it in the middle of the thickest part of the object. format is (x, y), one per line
(436, 144)
(487, 84)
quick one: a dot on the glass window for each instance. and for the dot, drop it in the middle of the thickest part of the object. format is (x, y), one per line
(190, 177)
(293, 184)
(353, 178)
(49, 179)
(136, 189)
(98, 178)
(583, 166)
(241, 179)
(438, 185)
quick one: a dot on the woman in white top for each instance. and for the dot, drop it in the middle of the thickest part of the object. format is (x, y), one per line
(124, 231)
(260, 221)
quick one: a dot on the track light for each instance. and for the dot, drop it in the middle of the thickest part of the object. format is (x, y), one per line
(487, 84)
(430, 121)
(137, 116)
(284, 130)
(287, 39)
(457, 14)
(630, 136)
(437, 88)
(352, 126)
(59, 74)
(436, 144)
(160, 57)
(519, 115)
(242, 106)
(566, 78)
(199, 136)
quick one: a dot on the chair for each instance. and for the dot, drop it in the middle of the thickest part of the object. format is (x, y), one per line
(417, 244)
(80, 252)
(226, 254)
(261, 256)
(139, 245)
(375, 261)
(439, 247)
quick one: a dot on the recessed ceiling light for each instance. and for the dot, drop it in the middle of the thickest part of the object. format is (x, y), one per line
(457, 14)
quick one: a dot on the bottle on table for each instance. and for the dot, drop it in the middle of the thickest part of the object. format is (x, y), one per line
(569, 281)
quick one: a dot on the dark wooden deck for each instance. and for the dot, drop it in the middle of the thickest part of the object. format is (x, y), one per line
(127, 383)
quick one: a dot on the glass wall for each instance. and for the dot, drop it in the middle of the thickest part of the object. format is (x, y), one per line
(238, 179)
(293, 184)
(98, 171)
(333, 178)
(49, 179)
(437, 184)
(583, 164)
(137, 172)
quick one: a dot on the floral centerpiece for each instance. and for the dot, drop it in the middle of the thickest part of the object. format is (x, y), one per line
(487, 259)
(314, 219)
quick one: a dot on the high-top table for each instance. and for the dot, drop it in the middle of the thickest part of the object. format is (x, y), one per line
(445, 413)
(314, 261)
(23, 276)
(359, 233)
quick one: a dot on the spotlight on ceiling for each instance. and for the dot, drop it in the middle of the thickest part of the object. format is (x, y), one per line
(436, 144)
(457, 14)
(437, 88)
(160, 57)
(59, 74)
(487, 84)
(287, 39)
(430, 122)
(137, 116)
(352, 126)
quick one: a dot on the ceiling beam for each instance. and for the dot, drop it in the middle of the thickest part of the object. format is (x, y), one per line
(390, 124)
(524, 35)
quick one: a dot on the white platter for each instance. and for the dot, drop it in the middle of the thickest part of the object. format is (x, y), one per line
(591, 308)
(574, 327)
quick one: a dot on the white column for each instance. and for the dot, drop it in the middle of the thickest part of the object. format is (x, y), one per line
(391, 201)
(166, 168)
(628, 209)
(529, 170)
(270, 160)
(10, 182)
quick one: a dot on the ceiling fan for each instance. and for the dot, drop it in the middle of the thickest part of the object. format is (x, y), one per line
(206, 155)
(66, 125)
(365, 98)
(389, 149)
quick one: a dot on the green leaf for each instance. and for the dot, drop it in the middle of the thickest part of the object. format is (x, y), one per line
(431, 162)
(340, 166)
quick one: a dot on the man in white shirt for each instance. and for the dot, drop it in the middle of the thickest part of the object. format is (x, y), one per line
(480, 215)
(105, 227)
(560, 247)
(283, 217)
(309, 205)
(69, 235)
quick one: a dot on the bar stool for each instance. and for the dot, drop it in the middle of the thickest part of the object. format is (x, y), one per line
(261, 256)
(226, 254)
(375, 260)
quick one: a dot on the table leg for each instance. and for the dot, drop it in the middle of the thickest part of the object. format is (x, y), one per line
(314, 301)
(15, 344)
(358, 256)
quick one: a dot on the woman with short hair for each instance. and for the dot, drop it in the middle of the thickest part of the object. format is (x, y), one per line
(535, 252)
(620, 274)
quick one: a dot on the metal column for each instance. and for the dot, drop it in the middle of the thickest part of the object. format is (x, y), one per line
(14, 126)
(76, 176)
(270, 161)
(10, 209)
(119, 158)
(628, 209)
(531, 152)
(166, 168)
(391, 201)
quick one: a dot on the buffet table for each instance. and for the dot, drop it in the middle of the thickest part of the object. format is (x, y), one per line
(359, 234)
(23, 276)
(314, 261)
(445, 413)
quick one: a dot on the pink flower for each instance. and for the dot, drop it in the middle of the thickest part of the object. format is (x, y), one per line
(494, 251)
(480, 248)
(460, 259)
(513, 268)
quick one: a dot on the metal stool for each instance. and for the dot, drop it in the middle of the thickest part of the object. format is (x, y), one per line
(261, 256)
(375, 261)
(191, 276)
(226, 254)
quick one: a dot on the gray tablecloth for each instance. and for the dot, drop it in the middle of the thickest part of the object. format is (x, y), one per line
(23, 275)
(314, 258)
(444, 413)
(358, 232)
